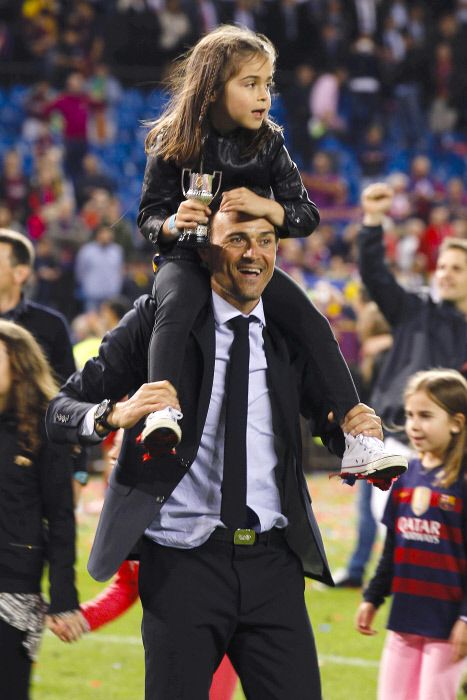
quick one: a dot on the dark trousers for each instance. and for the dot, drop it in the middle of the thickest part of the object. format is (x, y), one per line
(246, 601)
(15, 663)
(182, 288)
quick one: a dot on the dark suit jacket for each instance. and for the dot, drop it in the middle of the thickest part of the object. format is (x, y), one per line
(139, 488)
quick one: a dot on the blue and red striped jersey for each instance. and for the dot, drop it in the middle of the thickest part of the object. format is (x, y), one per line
(429, 557)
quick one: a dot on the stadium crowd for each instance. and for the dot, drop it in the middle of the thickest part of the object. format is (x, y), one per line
(365, 90)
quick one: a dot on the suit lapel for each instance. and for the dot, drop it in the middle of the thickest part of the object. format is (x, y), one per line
(279, 378)
(204, 334)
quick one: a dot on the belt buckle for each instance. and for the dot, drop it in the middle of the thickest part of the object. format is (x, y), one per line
(244, 536)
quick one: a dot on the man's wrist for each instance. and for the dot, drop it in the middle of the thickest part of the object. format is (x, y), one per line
(102, 422)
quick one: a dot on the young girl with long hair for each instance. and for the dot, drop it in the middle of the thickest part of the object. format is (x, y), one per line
(218, 120)
(423, 563)
(36, 510)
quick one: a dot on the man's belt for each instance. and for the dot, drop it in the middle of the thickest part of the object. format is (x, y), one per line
(247, 537)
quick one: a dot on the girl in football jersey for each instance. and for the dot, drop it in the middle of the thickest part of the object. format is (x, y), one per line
(423, 563)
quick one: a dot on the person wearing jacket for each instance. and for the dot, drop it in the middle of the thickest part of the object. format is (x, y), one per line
(206, 589)
(427, 333)
(37, 524)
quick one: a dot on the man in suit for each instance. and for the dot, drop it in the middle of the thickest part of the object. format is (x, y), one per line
(207, 589)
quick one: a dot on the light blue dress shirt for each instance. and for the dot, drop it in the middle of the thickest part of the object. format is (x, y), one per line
(192, 512)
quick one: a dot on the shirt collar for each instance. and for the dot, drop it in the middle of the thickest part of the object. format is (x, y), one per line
(224, 312)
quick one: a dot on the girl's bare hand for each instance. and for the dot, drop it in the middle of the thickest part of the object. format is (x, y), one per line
(190, 213)
(458, 639)
(364, 618)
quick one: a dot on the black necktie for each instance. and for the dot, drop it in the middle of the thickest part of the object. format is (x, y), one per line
(233, 507)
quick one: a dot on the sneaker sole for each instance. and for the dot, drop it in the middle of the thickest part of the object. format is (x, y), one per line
(165, 435)
(387, 467)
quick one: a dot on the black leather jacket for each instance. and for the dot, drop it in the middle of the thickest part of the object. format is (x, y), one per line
(37, 524)
(269, 171)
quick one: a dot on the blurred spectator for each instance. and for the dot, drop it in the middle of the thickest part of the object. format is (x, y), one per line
(106, 93)
(324, 185)
(296, 93)
(92, 179)
(408, 80)
(364, 84)
(35, 127)
(204, 16)
(14, 185)
(176, 31)
(325, 103)
(372, 155)
(47, 272)
(99, 268)
(401, 206)
(75, 105)
(425, 191)
(291, 27)
(439, 228)
(40, 30)
(442, 114)
(456, 198)
(49, 192)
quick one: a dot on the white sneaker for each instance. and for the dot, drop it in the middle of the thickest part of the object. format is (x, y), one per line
(161, 430)
(365, 456)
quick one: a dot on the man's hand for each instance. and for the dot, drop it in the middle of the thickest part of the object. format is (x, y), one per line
(362, 420)
(376, 203)
(458, 639)
(150, 397)
(364, 618)
(244, 200)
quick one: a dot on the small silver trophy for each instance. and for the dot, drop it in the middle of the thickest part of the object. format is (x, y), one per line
(200, 188)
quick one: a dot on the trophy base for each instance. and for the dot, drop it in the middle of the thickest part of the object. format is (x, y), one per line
(194, 237)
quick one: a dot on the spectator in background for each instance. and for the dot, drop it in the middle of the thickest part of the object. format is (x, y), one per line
(106, 93)
(296, 94)
(364, 85)
(49, 194)
(324, 185)
(176, 31)
(74, 104)
(425, 191)
(439, 227)
(14, 185)
(99, 268)
(325, 102)
(35, 127)
(292, 29)
(48, 327)
(425, 333)
(92, 178)
(372, 155)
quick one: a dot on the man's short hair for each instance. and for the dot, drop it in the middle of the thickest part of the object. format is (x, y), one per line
(452, 243)
(22, 250)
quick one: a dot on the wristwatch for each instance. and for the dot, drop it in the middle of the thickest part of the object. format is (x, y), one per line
(101, 426)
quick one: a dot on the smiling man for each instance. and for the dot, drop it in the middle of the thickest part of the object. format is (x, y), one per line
(226, 527)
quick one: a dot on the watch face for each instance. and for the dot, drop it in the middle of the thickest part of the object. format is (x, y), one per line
(101, 409)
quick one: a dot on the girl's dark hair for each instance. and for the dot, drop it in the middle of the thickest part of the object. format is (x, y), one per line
(32, 383)
(448, 389)
(198, 77)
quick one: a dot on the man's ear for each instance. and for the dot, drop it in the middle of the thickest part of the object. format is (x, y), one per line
(21, 274)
